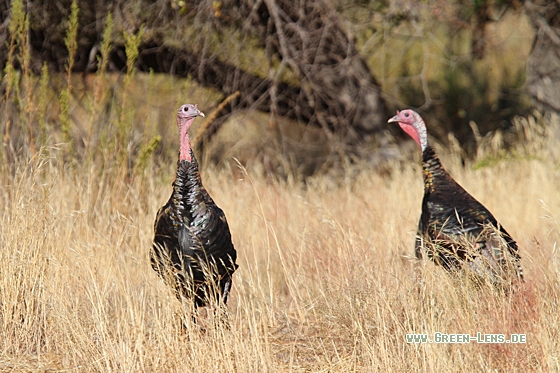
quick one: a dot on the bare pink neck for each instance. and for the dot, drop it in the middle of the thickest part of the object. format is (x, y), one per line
(185, 143)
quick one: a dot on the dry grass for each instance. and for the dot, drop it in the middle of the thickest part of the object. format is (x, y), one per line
(325, 283)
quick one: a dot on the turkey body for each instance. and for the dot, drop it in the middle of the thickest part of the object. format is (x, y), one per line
(455, 230)
(192, 234)
(192, 246)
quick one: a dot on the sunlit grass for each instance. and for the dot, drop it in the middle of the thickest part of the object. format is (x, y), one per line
(326, 280)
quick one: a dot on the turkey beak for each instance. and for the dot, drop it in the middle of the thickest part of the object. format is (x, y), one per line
(201, 113)
(394, 119)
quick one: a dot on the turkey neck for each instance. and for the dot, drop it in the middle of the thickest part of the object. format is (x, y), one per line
(187, 187)
(432, 168)
(185, 142)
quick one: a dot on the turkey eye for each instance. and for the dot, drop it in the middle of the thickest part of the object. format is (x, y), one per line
(406, 114)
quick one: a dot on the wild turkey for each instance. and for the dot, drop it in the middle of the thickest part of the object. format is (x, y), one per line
(192, 245)
(456, 230)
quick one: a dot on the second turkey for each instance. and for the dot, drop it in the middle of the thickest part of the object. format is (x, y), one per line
(455, 230)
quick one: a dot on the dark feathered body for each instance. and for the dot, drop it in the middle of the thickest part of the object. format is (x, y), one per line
(453, 221)
(192, 233)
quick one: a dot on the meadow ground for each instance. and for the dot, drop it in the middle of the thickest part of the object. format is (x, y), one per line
(326, 279)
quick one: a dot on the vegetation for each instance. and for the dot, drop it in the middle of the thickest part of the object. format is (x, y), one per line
(326, 281)
(342, 73)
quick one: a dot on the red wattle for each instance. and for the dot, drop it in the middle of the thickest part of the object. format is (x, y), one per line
(412, 132)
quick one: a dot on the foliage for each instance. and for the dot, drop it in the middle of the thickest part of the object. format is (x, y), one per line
(17, 41)
(420, 57)
(422, 54)
(71, 45)
(124, 124)
(98, 86)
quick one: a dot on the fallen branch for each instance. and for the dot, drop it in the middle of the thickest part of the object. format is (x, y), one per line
(210, 119)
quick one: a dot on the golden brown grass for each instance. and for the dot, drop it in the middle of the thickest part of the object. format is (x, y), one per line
(326, 279)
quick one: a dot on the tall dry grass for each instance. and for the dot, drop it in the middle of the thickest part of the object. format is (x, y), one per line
(326, 280)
